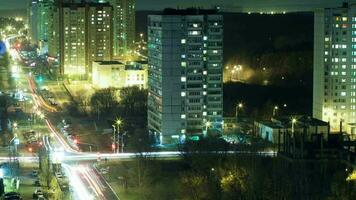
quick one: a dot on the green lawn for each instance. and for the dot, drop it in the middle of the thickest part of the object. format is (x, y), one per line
(161, 181)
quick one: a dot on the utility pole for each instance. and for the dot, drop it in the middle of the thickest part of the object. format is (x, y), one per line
(114, 138)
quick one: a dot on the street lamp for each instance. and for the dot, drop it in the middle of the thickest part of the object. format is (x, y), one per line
(294, 121)
(118, 123)
(237, 108)
(207, 125)
(275, 110)
(114, 139)
(15, 125)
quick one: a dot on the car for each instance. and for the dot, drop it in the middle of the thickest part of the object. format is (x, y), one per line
(37, 194)
(34, 173)
(37, 182)
(12, 196)
(59, 175)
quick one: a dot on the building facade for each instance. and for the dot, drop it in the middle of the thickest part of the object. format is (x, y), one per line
(185, 58)
(124, 25)
(85, 35)
(40, 14)
(334, 92)
(118, 74)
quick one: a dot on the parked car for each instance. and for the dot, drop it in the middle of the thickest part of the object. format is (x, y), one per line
(37, 194)
(12, 196)
(37, 182)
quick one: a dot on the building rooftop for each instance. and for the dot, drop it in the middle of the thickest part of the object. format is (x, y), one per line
(285, 122)
(109, 62)
(189, 11)
(83, 4)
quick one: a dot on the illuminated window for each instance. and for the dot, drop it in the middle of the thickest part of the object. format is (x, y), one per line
(194, 33)
(182, 116)
(343, 94)
(183, 79)
(183, 41)
(182, 94)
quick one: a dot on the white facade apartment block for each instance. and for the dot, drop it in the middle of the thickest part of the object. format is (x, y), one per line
(334, 93)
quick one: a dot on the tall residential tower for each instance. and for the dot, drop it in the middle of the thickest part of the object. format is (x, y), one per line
(334, 92)
(85, 35)
(124, 25)
(185, 58)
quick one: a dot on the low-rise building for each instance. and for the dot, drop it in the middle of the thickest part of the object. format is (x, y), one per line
(271, 130)
(119, 74)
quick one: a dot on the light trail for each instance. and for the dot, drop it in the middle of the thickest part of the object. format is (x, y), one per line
(93, 183)
(38, 99)
(76, 182)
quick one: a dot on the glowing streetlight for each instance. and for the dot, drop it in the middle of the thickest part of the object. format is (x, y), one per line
(275, 110)
(207, 125)
(238, 107)
(294, 121)
(118, 122)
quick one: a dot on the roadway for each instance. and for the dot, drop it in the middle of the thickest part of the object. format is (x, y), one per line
(85, 180)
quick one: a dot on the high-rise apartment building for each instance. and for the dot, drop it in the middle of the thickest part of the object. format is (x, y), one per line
(185, 58)
(85, 35)
(334, 92)
(32, 10)
(124, 25)
(39, 19)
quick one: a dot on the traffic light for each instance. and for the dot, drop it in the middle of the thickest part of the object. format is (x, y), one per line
(75, 141)
(113, 146)
(30, 149)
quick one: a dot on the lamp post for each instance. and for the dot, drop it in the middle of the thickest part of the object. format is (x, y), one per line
(237, 108)
(118, 123)
(275, 109)
(114, 139)
(294, 120)
(207, 125)
(239, 68)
